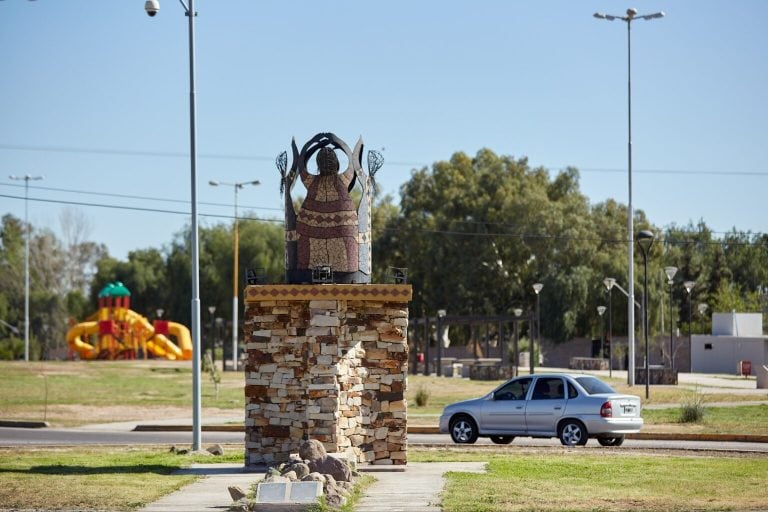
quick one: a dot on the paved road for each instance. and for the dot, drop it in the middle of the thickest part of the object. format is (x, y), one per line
(58, 437)
(444, 439)
(67, 437)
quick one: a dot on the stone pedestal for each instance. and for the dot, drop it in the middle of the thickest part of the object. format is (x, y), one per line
(326, 362)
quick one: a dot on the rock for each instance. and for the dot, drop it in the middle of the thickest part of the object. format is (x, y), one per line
(216, 449)
(332, 466)
(290, 475)
(236, 493)
(301, 470)
(315, 477)
(311, 450)
(335, 500)
(273, 479)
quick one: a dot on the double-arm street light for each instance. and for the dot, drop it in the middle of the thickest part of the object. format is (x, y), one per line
(628, 19)
(235, 293)
(26, 178)
(670, 271)
(152, 7)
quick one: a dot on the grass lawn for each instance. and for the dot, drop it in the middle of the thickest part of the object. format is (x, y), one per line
(91, 478)
(70, 393)
(612, 480)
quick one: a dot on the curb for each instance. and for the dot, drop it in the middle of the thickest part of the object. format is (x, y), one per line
(655, 436)
(24, 424)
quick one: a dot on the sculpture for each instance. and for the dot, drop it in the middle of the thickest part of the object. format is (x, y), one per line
(329, 240)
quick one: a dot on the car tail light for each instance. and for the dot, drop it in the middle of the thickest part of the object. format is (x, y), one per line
(606, 411)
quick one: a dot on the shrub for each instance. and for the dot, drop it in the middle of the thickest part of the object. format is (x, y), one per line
(422, 396)
(692, 410)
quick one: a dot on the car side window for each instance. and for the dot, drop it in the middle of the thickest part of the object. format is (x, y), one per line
(572, 391)
(549, 388)
(514, 390)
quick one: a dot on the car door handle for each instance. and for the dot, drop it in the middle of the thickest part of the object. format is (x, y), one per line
(558, 408)
(519, 407)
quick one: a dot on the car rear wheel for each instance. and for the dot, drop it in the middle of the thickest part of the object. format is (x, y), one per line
(502, 439)
(573, 433)
(611, 441)
(463, 430)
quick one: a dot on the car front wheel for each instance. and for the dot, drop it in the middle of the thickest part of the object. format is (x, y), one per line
(463, 430)
(611, 441)
(502, 439)
(573, 433)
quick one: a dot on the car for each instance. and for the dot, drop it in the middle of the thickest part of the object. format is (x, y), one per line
(571, 407)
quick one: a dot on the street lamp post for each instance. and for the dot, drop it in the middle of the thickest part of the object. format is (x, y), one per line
(235, 293)
(536, 288)
(152, 7)
(645, 240)
(670, 271)
(440, 315)
(609, 282)
(515, 347)
(689, 288)
(631, 16)
(600, 313)
(212, 310)
(27, 178)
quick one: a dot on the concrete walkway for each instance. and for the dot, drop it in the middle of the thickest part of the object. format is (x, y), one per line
(208, 493)
(415, 489)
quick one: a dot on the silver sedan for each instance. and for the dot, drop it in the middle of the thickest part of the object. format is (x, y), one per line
(570, 407)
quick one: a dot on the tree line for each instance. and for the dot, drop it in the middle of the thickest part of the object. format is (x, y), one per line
(474, 232)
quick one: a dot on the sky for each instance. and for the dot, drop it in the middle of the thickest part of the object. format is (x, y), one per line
(94, 96)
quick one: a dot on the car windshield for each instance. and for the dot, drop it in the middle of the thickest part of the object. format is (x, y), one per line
(594, 386)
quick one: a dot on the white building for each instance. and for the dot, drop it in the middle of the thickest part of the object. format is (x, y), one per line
(735, 337)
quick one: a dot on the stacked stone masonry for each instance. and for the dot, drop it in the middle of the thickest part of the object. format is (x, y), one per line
(328, 362)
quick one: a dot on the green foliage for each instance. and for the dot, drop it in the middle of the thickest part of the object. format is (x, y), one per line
(422, 396)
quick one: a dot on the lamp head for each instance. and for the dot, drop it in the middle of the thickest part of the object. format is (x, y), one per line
(214, 183)
(689, 286)
(441, 313)
(517, 311)
(631, 12)
(670, 271)
(645, 240)
(600, 310)
(537, 287)
(609, 282)
(702, 308)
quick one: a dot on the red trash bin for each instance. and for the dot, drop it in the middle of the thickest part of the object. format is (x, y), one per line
(745, 368)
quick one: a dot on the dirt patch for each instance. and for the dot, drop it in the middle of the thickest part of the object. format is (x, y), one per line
(74, 415)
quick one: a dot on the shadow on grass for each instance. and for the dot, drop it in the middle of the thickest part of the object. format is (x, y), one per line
(62, 470)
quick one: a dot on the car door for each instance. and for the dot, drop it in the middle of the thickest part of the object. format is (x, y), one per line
(545, 406)
(504, 411)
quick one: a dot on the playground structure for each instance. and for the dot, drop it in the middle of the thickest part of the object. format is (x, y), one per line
(117, 332)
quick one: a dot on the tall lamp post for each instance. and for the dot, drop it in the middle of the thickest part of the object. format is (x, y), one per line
(609, 282)
(26, 178)
(689, 288)
(235, 292)
(645, 240)
(631, 16)
(670, 271)
(212, 310)
(536, 288)
(702, 307)
(152, 7)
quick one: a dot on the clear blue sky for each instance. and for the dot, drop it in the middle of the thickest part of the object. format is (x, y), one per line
(94, 96)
